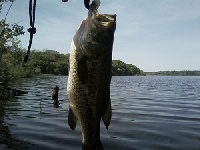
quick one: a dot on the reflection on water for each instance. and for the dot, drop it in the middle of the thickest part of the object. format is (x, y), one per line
(151, 113)
(7, 141)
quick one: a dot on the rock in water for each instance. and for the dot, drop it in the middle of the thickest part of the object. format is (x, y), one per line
(90, 76)
(55, 96)
(55, 93)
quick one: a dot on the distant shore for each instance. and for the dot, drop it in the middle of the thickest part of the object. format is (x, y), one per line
(175, 73)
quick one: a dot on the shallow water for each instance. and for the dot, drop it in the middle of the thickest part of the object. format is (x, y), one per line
(149, 113)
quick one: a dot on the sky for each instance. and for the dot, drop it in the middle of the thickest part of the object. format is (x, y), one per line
(154, 35)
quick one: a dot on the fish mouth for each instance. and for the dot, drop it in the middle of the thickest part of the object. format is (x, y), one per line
(106, 20)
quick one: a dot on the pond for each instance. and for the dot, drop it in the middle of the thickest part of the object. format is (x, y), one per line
(149, 113)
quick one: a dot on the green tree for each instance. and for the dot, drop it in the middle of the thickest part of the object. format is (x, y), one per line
(120, 68)
(8, 43)
(49, 62)
(8, 34)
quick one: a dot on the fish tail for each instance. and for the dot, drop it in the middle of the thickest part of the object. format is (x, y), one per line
(86, 146)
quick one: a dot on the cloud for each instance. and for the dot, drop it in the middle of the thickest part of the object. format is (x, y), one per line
(152, 34)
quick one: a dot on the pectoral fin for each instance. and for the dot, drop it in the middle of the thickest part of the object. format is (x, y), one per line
(71, 119)
(107, 115)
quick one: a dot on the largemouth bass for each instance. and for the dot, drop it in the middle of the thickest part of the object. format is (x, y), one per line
(90, 76)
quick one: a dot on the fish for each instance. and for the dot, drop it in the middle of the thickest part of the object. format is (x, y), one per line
(89, 79)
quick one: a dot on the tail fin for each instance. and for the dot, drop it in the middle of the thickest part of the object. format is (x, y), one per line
(86, 146)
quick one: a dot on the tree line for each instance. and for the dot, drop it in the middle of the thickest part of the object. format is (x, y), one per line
(175, 73)
(50, 62)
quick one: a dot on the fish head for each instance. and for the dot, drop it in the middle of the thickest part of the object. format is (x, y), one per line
(103, 26)
(100, 22)
(96, 33)
(100, 30)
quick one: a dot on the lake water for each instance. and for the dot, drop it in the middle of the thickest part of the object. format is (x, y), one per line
(149, 113)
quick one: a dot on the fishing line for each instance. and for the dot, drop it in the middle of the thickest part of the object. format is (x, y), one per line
(4, 20)
(9, 9)
(32, 30)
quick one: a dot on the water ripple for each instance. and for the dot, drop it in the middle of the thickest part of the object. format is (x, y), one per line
(149, 113)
